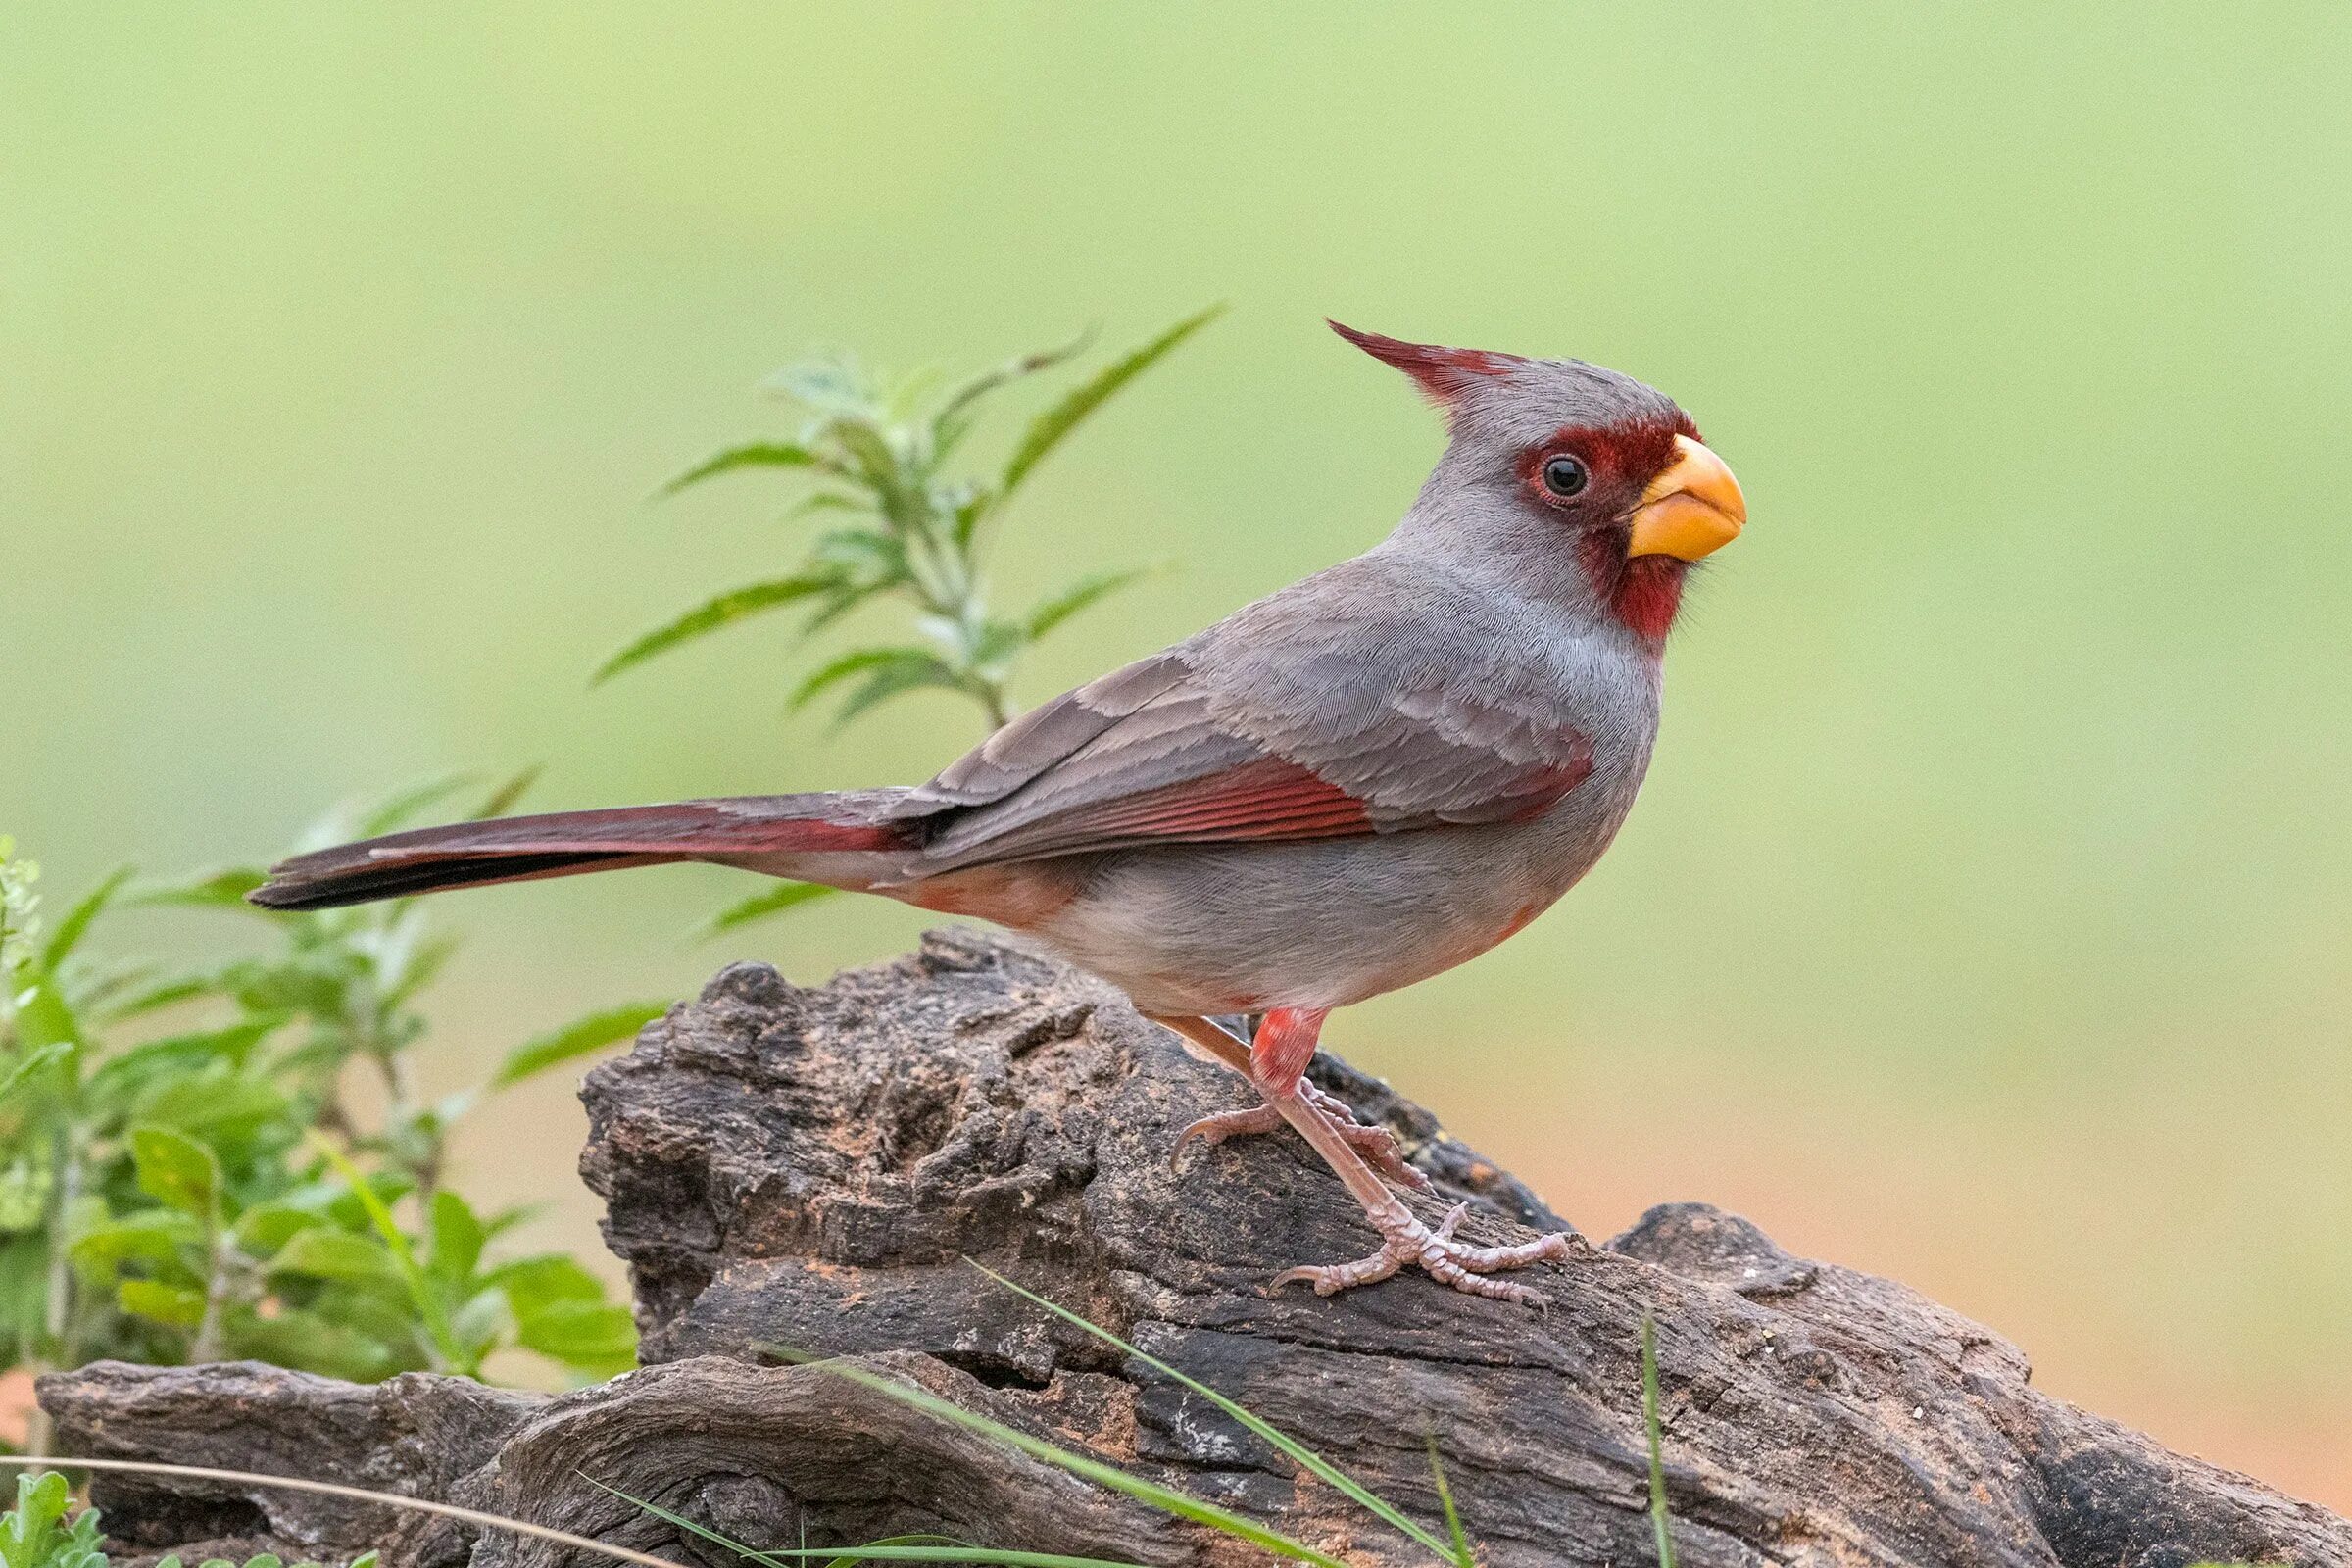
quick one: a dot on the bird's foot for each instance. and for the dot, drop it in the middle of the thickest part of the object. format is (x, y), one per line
(1405, 1240)
(1376, 1144)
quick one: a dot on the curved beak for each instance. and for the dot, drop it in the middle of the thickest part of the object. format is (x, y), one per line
(1691, 510)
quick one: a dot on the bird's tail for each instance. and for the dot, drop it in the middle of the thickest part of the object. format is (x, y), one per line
(845, 838)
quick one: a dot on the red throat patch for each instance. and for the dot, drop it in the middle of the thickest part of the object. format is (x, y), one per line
(1649, 594)
(1644, 592)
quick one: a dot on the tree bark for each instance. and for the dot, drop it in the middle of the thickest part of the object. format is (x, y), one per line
(808, 1171)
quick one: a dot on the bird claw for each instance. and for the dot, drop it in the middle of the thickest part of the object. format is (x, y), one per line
(1377, 1144)
(1407, 1239)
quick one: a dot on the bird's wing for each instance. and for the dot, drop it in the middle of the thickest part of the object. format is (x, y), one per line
(1330, 715)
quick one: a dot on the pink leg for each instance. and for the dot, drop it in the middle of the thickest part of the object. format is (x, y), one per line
(1284, 1044)
(1376, 1144)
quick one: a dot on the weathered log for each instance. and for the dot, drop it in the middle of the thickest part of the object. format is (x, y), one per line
(810, 1169)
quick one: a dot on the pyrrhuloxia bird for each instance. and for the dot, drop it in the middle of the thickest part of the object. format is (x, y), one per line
(1350, 785)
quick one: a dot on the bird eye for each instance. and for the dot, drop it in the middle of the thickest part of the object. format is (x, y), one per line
(1565, 475)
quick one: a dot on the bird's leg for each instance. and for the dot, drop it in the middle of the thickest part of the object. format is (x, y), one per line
(1376, 1144)
(1284, 1044)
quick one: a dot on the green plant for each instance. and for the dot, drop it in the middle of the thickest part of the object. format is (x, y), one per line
(34, 1533)
(55, 1500)
(192, 1194)
(912, 534)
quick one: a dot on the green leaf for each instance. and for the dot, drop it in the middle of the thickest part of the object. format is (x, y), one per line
(45, 1019)
(33, 1533)
(398, 808)
(536, 1283)
(1046, 431)
(576, 1039)
(1084, 594)
(458, 1235)
(32, 1067)
(322, 1253)
(759, 905)
(709, 616)
(223, 1108)
(861, 558)
(857, 661)
(265, 1228)
(165, 994)
(155, 1237)
(507, 794)
(830, 384)
(118, 1080)
(907, 670)
(751, 454)
(825, 500)
(176, 1171)
(301, 1338)
(482, 1321)
(1180, 1505)
(874, 459)
(210, 889)
(180, 1306)
(587, 1335)
(348, 1204)
(1339, 1480)
(76, 922)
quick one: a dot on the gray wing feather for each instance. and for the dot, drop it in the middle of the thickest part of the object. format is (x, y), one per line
(1406, 706)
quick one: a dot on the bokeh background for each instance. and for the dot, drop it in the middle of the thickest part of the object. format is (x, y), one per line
(1983, 922)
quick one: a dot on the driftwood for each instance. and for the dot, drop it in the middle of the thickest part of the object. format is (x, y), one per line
(809, 1169)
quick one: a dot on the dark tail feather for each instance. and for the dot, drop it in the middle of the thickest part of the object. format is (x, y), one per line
(520, 849)
(366, 884)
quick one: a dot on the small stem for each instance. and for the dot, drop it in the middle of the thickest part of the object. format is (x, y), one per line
(992, 697)
(219, 1280)
(57, 1307)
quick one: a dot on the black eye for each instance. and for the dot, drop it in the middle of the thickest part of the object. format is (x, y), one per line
(1565, 475)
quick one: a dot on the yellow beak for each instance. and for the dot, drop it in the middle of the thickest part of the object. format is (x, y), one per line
(1691, 510)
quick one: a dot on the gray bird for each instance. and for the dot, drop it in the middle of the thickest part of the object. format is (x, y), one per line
(1352, 784)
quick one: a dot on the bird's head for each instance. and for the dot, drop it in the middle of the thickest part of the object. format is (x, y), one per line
(1557, 461)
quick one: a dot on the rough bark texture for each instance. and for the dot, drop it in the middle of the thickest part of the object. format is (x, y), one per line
(810, 1169)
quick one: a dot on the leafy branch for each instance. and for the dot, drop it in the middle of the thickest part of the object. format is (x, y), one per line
(877, 455)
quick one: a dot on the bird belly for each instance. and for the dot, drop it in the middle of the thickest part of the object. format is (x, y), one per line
(1212, 928)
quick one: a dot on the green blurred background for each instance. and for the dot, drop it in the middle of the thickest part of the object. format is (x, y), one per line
(1983, 922)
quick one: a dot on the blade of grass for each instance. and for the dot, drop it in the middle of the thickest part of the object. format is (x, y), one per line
(1453, 1518)
(1168, 1500)
(1322, 1468)
(1651, 1425)
(330, 1488)
(77, 920)
(894, 1549)
(428, 1305)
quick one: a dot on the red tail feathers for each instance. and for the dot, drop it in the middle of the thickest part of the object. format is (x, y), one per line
(517, 849)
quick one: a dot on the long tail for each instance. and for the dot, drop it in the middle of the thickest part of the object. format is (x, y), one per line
(822, 837)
